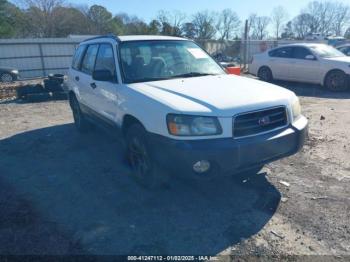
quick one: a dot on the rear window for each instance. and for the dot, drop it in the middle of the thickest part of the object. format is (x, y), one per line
(77, 57)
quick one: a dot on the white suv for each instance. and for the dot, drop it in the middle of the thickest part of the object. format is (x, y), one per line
(178, 109)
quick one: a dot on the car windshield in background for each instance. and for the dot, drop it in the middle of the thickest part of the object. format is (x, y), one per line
(144, 61)
(326, 51)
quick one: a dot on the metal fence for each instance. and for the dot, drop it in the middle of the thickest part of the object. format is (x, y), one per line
(40, 57)
(37, 57)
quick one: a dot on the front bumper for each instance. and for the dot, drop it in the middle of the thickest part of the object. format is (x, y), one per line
(228, 155)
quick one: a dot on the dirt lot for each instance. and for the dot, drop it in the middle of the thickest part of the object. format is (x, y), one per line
(65, 193)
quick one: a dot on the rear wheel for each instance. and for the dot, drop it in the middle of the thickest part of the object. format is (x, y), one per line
(265, 74)
(144, 170)
(6, 78)
(80, 122)
(336, 81)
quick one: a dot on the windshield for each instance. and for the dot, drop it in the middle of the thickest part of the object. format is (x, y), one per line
(144, 61)
(326, 51)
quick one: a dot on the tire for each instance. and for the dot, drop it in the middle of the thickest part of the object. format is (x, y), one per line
(6, 78)
(336, 81)
(39, 97)
(265, 74)
(80, 121)
(57, 77)
(53, 85)
(144, 170)
(23, 91)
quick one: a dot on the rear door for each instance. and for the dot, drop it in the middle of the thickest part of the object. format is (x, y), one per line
(85, 77)
(303, 69)
(280, 61)
(106, 91)
(74, 72)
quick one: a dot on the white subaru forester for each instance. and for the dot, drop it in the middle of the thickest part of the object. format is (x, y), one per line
(177, 108)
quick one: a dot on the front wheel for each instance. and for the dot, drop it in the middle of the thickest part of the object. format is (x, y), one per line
(144, 170)
(336, 81)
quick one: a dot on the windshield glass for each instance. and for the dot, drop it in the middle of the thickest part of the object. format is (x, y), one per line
(144, 61)
(326, 51)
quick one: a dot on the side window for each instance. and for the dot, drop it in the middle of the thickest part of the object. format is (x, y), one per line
(300, 52)
(283, 52)
(87, 66)
(347, 51)
(105, 59)
(77, 57)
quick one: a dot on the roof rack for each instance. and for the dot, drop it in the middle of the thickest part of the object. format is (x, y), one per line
(112, 36)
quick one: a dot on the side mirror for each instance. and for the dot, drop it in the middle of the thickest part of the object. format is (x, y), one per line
(310, 57)
(103, 75)
(224, 64)
(227, 64)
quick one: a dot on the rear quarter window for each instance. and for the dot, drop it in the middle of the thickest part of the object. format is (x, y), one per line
(77, 57)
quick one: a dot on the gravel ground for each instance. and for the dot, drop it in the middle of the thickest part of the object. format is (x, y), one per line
(65, 193)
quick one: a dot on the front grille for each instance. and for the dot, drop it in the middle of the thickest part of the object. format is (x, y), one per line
(257, 122)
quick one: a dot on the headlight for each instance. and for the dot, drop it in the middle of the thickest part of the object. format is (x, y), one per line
(14, 72)
(186, 125)
(296, 109)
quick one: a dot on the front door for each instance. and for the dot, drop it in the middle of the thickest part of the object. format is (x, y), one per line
(105, 92)
(304, 68)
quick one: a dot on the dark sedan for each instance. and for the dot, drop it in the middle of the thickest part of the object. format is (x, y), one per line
(8, 75)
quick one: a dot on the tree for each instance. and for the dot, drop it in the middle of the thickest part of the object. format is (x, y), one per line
(172, 22)
(100, 19)
(329, 17)
(204, 22)
(69, 20)
(341, 19)
(189, 30)
(39, 17)
(259, 26)
(303, 25)
(278, 17)
(288, 31)
(228, 24)
(10, 19)
(154, 27)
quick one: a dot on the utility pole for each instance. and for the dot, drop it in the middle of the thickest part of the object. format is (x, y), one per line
(245, 45)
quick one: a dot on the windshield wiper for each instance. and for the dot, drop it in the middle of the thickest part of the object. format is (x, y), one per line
(192, 74)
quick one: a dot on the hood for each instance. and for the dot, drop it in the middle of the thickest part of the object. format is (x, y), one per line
(224, 95)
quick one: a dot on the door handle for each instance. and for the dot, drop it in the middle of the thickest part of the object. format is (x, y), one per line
(77, 78)
(93, 85)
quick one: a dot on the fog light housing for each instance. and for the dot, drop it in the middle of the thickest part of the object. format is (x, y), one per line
(201, 166)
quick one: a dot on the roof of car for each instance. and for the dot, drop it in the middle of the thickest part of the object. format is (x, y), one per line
(127, 38)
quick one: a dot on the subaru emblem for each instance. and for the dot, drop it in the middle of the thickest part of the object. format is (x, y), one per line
(264, 121)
